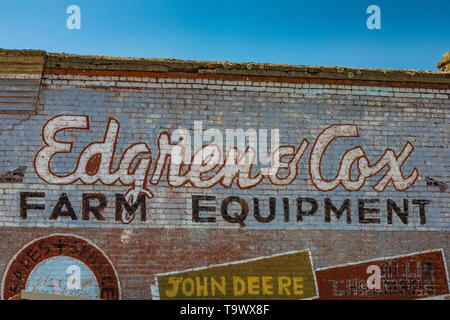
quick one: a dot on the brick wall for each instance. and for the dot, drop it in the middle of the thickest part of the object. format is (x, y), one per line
(388, 108)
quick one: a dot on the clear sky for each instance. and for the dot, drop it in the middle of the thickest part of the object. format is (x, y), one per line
(414, 34)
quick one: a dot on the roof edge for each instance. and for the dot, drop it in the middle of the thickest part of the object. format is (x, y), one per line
(94, 62)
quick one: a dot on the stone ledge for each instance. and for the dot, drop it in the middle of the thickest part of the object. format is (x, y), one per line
(93, 62)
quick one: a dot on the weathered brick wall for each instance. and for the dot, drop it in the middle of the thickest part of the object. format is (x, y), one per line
(388, 114)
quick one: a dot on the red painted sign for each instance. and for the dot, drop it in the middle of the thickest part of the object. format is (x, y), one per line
(413, 276)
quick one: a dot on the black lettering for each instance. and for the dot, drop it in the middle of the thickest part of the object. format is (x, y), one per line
(24, 206)
(238, 218)
(286, 209)
(95, 210)
(403, 215)
(196, 208)
(422, 203)
(19, 274)
(362, 211)
(108, 293)
(330, 207)
(33, 255)
(121, 203)
(45, 248)
(272, 208)
(310, 212)
(390, 287)
(57, 210)
(74, 247)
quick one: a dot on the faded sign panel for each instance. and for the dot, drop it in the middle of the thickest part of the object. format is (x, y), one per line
(61, 264)
(288, 276)
(413, 276)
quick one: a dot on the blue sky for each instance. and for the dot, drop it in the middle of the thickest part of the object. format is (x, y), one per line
(414, 34)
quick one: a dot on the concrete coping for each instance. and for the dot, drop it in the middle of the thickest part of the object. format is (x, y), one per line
(94, 62)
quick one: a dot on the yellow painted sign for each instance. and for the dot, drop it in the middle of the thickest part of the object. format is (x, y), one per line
(285, 276)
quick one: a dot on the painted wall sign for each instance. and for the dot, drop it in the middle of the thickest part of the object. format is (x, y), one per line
(300, 210)
(359, 167)
(412, 276)
(95, 162)
(286, 276)
(38, 267)
(233, 168)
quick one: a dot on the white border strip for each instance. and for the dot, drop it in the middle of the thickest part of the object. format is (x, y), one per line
(21, 76)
